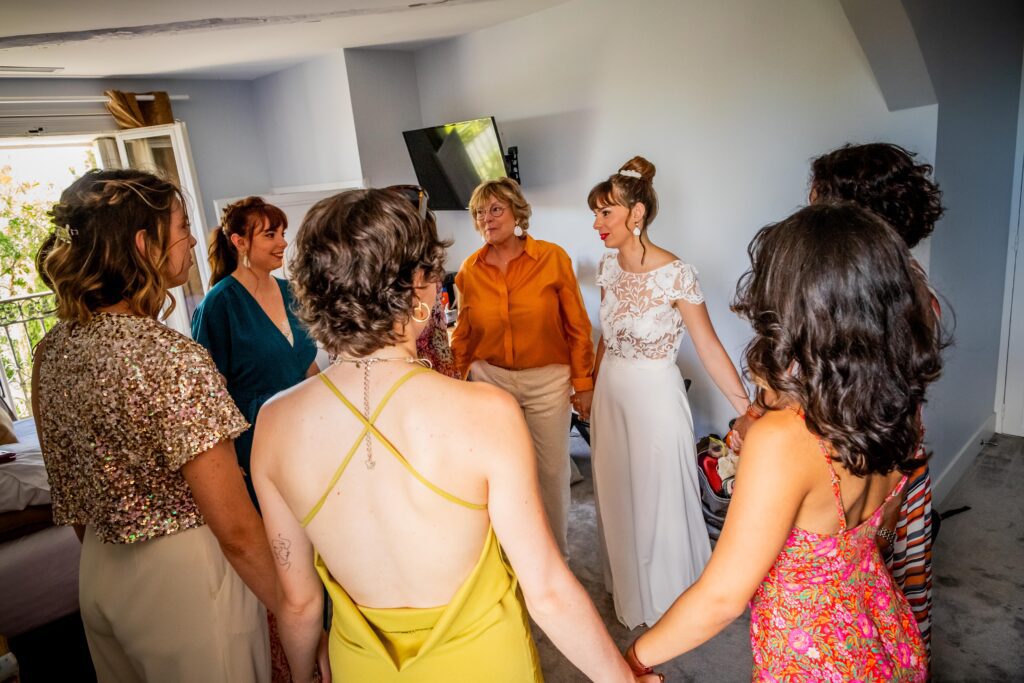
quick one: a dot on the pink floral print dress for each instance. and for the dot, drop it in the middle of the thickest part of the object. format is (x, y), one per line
(828, 609)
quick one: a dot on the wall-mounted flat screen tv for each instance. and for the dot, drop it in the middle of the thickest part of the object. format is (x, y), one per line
(451, 160)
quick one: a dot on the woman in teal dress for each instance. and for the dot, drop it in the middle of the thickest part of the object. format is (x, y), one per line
(246, 319)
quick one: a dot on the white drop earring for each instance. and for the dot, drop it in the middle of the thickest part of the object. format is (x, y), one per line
(636, 229)
(245, 259)
(518, 232)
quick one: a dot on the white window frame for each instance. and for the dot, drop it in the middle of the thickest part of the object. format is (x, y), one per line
(178, 134)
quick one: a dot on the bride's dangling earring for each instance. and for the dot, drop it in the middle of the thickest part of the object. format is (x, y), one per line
(636, 229)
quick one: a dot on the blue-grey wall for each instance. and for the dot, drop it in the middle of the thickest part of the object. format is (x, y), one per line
(306, 124)
(227, 147)
(385, 102)
(973, 52)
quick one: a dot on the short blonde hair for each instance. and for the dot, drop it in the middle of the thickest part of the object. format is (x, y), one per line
(94, 262)
(504, 190)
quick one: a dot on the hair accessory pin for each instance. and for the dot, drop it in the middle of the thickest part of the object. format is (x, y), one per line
(65, 233)
(630, 173)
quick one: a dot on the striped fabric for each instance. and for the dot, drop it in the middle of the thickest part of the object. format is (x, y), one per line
(910, 557)
(910, 560)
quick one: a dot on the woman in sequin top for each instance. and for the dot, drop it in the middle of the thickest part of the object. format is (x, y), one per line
(136, 428)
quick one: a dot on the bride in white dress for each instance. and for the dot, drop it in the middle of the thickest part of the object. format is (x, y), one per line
(654, 540)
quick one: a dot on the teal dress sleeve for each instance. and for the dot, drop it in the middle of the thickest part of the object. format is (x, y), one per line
(210, 328)
(251, 352)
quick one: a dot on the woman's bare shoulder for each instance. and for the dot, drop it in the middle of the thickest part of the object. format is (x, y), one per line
(780, 435)
(286, 406)
(475, 398)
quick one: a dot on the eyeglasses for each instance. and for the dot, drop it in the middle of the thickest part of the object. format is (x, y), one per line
(496, 211)
(416, 195)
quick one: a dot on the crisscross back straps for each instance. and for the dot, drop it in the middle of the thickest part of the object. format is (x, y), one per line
(368, 426)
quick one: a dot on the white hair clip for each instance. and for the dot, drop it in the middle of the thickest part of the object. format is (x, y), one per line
(629, 173)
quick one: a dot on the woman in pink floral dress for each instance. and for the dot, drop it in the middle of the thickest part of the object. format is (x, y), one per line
(843, 351)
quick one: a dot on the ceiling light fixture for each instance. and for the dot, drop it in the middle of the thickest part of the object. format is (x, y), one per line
(30, 69)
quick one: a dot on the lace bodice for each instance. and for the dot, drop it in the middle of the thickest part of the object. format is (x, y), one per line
(639, 319)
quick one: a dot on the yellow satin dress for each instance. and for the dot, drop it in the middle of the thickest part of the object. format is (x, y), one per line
(482, 634)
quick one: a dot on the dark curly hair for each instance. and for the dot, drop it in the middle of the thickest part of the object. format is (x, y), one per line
(245, 218)
(884, 178)
(92, 260)
(844, 328)
(356, 255)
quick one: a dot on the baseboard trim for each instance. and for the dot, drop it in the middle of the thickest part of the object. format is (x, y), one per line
(942, 485)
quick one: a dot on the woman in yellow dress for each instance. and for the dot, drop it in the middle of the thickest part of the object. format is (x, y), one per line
(412, 496)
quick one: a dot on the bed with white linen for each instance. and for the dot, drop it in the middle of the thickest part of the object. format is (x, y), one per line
(38, 561)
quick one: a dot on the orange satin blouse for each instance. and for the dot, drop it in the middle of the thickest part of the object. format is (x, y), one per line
(531, 317)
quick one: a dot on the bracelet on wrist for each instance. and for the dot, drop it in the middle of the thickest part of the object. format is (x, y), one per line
(888, 534)
(635, 665)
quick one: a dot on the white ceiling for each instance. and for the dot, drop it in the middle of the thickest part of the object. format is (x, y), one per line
(225, 38)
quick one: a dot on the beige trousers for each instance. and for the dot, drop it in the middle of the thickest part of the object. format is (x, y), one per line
(543, 394)
(170, 609)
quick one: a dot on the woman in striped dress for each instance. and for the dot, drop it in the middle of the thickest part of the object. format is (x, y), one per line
(883, 177)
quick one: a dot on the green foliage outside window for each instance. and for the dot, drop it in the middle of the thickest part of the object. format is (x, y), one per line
(26, 306)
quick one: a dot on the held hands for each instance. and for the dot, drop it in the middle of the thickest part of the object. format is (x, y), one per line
(322, 673)
(581, 401)
(734, 439)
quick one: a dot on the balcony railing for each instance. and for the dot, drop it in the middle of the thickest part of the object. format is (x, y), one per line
(23, 322)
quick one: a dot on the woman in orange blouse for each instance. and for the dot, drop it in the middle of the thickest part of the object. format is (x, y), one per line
(522, 326)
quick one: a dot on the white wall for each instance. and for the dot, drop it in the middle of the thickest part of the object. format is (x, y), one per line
(730, 100)
(227, 145)
(306, 124)
(385, 102)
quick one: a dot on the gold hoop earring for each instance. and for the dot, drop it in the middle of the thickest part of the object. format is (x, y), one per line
(426, 316)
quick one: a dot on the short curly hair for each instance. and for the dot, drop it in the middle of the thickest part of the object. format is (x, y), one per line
(504, 190)
(96, 262)
(843, 327)
(356, 255)
(883, 178)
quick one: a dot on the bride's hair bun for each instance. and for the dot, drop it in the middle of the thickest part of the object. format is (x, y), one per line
(639, 165)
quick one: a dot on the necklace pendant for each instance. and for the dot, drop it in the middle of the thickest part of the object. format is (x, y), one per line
(370, 464)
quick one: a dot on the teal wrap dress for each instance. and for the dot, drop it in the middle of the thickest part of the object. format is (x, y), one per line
(251, 352)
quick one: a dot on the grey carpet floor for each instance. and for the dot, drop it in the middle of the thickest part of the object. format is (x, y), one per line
(978, 618)
(978, 571)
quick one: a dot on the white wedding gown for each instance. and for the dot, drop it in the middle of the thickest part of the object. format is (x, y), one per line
(654, 540)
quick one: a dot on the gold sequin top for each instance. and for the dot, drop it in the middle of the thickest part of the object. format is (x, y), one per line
(124, 402)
